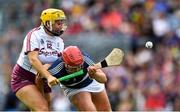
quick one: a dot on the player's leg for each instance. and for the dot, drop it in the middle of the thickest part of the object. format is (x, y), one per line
(23, 85)
(48, 97)
(81, 98)
(43, 88)
(101, 101)
(39, 83)
(47, 93)
(32, 97)
(83, 102)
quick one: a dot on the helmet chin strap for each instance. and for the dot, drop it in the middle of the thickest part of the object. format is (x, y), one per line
(50, 25)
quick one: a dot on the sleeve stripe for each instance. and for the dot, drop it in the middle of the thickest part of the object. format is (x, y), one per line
(88, 60)
(56, 69)
(28, 47)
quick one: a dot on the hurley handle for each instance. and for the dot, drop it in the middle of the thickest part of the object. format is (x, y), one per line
(75, 74)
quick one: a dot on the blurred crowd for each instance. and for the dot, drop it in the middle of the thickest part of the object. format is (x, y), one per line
(148, 79)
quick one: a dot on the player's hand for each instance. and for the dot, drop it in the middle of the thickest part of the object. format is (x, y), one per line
(92, 71)
(97, 74)
(52, 81)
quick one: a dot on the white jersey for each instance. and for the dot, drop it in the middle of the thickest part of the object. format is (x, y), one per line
(49, 48)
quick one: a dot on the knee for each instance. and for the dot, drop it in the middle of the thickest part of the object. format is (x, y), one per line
(104, 108)
(43, 107)
(84, 106)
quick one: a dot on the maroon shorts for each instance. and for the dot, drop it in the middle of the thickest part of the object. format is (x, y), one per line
(21, 77)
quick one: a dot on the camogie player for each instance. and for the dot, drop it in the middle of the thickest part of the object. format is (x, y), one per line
(41, 46)
(86, 92)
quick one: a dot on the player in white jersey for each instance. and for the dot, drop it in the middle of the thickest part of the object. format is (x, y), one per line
(41, 45)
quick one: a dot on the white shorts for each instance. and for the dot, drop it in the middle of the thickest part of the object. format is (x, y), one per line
(93, 87)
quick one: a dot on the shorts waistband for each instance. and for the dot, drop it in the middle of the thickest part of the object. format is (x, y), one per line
(84, 83)
(30, 69)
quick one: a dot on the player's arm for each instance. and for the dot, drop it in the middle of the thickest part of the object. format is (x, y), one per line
(46, 66)
(93, 70)
(97, 74)
(39, 80)
(35, 62)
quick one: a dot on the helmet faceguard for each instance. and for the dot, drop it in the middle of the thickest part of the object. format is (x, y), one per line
(50, 16)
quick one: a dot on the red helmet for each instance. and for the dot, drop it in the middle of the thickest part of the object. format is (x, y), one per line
(72, 56)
